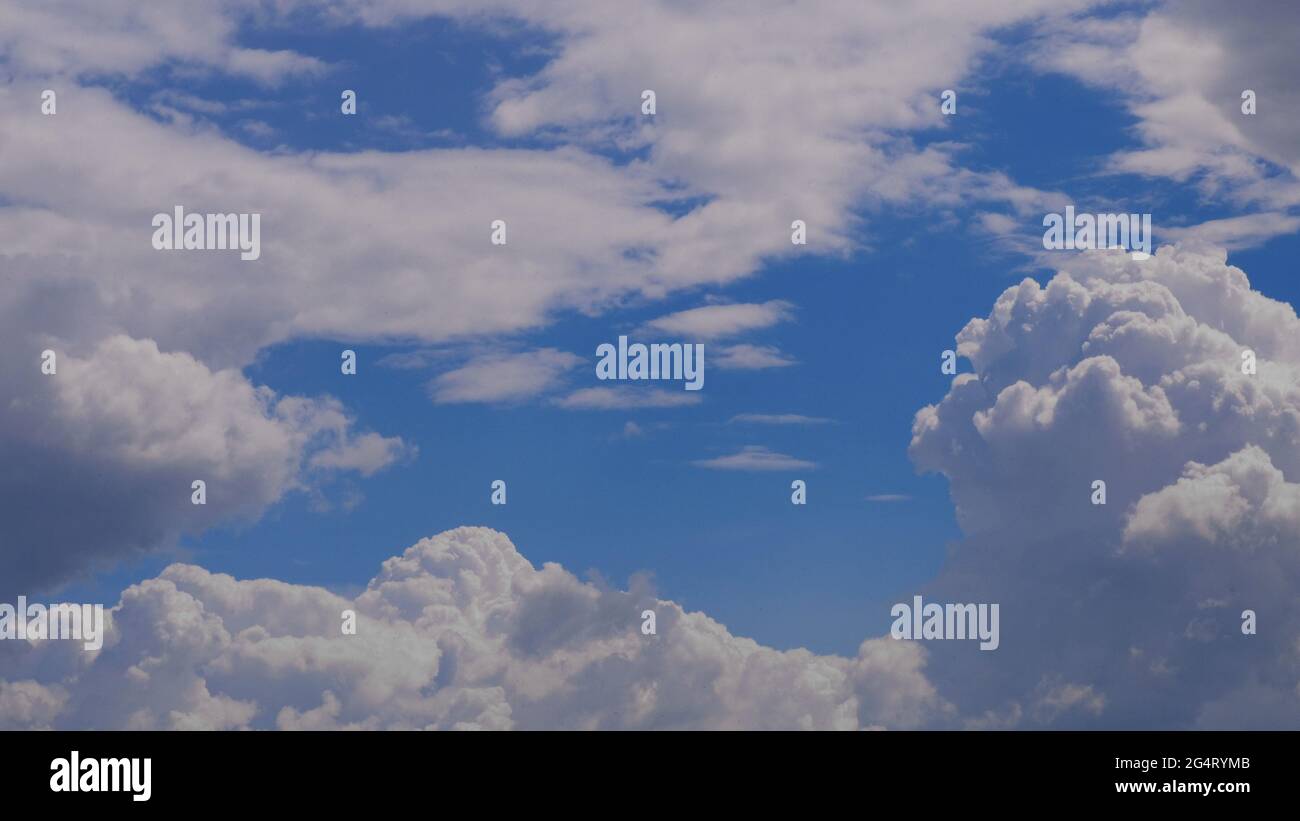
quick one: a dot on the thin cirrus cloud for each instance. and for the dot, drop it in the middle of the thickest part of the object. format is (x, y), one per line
(889, 497)
(779, 419)
(755, 458)
(503, 377)
(623, 397)
(746, 357)
(719, 321)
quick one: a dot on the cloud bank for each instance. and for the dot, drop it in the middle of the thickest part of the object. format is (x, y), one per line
(458, 632)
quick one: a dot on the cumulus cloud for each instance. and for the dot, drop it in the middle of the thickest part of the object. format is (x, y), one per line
(102, 454)
(1130, 373)
(458, 632)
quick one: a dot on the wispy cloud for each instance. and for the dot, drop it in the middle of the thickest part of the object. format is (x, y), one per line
(751, 358)
(889, 497)
(502, 377)
(779, 419)
(623, 397)
(757, 458)
(717, 321)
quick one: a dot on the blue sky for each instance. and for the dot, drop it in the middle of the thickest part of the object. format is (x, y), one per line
(331, 493)
(867, 332)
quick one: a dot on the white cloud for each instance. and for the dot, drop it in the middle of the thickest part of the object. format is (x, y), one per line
(755, 458)
(458, 632)
(780, 419)
(503, 377)
(367, 454)
(1127, 372)
(116, 37)
(752, 358)
(889, 497)
(1181, 70)
(621, 397)
(375, 246)
(101, 456)
(714, 321)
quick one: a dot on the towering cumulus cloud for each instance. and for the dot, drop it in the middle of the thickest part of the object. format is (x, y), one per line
(459, 632)
(1129, 613)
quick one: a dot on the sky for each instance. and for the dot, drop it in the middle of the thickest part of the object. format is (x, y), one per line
(477, 362)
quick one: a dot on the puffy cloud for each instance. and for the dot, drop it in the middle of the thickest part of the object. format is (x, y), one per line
(101, 455)
(458, 632)
(1125, 614)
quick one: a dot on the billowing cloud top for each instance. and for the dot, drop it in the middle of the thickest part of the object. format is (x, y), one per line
(1131, 373)
(459, 632)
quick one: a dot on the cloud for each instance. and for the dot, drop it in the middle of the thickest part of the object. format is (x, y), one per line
(503, 377)
(752, 358)
(1181, 71)
(755, 458)
(349, 250)
(367, 454)
(779, 419)
(714, 321)
(102, 454)
(113, 37)
(1234, 233)
(889, 497)
(458, 632)
(623, 397)
(1130, 373)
